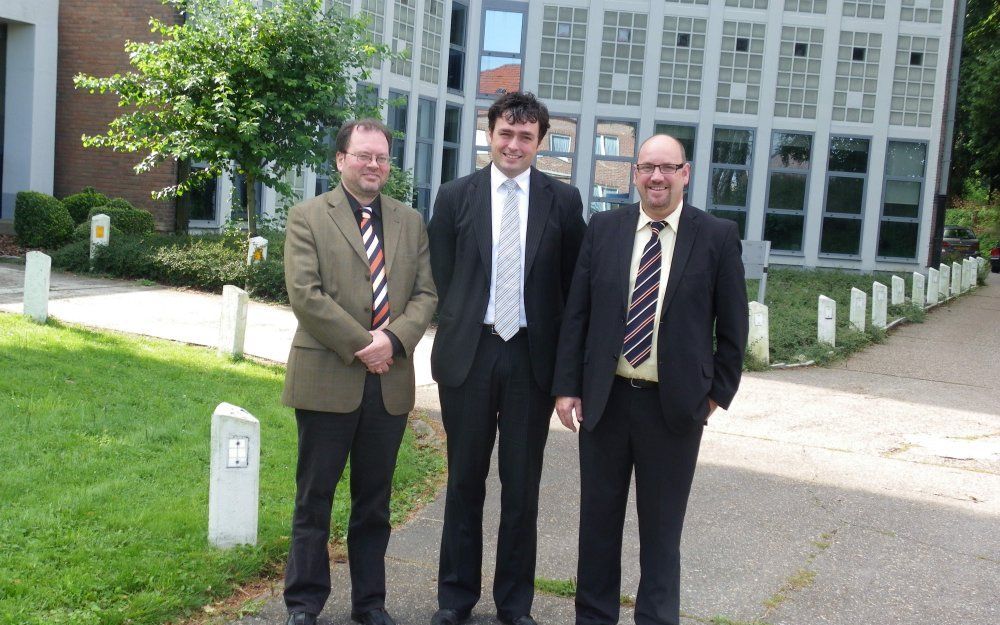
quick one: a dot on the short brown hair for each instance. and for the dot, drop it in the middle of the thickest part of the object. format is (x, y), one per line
(368, 123)
(520, 107)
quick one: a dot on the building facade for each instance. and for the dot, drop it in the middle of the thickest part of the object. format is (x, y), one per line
(820, 125)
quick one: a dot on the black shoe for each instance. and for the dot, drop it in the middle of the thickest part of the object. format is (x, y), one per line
(447, 616)
(301, 618)
(520, 620)
(378, 616)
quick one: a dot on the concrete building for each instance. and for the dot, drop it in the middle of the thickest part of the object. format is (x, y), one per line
(820, 125)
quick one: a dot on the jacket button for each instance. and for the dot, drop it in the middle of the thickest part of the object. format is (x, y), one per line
(368, 309)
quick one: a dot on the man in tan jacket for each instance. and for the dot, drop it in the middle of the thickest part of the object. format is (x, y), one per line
(359, 280)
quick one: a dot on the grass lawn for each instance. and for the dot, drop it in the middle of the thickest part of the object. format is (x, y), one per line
(104, 480)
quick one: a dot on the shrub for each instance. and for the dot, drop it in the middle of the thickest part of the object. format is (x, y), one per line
(82, 232)
(125, 217)
(79, 204)
(266, 280)
(201, 263)
(72, 257)
(41, 220)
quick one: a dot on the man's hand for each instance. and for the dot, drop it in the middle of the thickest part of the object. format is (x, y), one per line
(377, 355)
(566, 407)
(711, 408)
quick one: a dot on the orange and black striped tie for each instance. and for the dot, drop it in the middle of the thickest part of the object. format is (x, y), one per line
(376, 262)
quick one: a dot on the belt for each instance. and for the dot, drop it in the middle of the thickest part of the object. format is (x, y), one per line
(491, 329)
(636, 382)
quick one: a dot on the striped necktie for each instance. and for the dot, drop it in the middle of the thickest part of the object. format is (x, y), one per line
(642, 310)
(507, 297)
(376, 262)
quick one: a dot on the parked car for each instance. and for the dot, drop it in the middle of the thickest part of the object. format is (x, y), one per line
(995, 259)
(959, 242)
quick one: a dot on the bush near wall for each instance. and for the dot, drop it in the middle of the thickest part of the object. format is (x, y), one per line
(41, 221)
(125, 217)
(79, 204)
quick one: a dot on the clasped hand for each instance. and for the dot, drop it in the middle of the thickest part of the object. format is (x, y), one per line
(377, 355)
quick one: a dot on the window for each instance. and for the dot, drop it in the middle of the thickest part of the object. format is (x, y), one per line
(846, 175)
(729, 194)
(856, 84)
(614, 153)
(452, 134)
(740, 67)
(482, 153)
(623, 49)
(682, 57)
(403, 21)
(456, 47)
(502, 45)
(564, 41)
(203, 200)
(684, 134)
(787, 190)
(799, 60)
(430, 51)
(397, 123)
(423, 162)
(239, 198)
(557, 150)
(905, 162)
(913, 81)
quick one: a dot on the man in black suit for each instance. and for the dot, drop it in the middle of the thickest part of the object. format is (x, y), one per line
(637, 369)
(503, 242)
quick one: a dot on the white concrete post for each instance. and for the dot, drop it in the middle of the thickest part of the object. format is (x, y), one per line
(257, 253)
(826, 325)
(234, 482)
(945, 280)
(879, 302)
(100, 232)
(898, 291)
(917, 290)
(968, 274)
(859, 306)
(233, 325)
(933, 285)
(759, 341)
(37, 274)
(956, 279)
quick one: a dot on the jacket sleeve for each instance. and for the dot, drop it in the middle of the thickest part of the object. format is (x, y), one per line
(441, 239)
(410, 325)
(731, 320)
(567, 380)
(573, 231)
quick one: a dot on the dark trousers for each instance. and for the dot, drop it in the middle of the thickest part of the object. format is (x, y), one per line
(500, 395)
(371, 436)
(632, 433)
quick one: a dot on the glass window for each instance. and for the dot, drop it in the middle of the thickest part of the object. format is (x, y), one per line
(905, 163)
(500, 56)
(452, 133)
(557, 151)
(732, 156)
(456, 48)
(614, 153)
(397, 123)
(203, 200)
(843, 209)
(423, 161)
(787, 189)
(686, 136)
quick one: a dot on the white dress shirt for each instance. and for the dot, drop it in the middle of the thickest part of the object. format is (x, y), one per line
(498, 197)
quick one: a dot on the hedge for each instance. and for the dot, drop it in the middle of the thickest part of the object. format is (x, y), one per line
(41, 220)
(125, 217)
(79, 204)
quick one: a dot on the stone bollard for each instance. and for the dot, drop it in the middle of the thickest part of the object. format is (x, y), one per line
(100, 232)
(879, 293)
(826, 323)
(945, 281)
(859, 305)
(233, 324)
(917, 290)
(234, 482)
(968, 274)
(956, 279)
(933, 286)
(257, 253)
(898, 291)
(37, 275)
(758, 340)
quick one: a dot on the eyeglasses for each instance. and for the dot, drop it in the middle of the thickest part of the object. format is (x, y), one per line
(365, 158)
(665, 168)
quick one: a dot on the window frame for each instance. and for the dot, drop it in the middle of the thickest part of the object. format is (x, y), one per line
(807, 172)
(503, 6)
(886, 179)
(860, 215)
(427, 185)
(747, 167)
(620, 158)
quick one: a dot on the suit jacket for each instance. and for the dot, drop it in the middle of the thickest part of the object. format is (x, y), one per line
(461, 242)
(329, 287)
(705, 291)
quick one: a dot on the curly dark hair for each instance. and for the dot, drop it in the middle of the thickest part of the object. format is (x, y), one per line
(520, 107)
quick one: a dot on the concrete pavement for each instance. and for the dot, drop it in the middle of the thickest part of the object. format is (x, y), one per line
(867, 492)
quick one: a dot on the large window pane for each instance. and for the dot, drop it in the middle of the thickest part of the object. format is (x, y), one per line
(740, 217)
(902, 199)
(784, 231)
(502, 31)
(898, 239)
(790, 151)
(499, 75)
(729, 187)
(905, 159)
(614, 179)
(849, 154)
(452, 124)
(787, 191)
(732, 146)
(845, 195)
(840, 236)
(684, 134)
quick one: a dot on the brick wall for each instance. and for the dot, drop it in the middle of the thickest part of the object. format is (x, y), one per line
(92, 35)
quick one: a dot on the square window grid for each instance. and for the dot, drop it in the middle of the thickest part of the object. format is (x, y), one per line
(430, 49)
(343, 6)
(799, 63)
(747, 4)
(402, 36)
(805, 6)
(874, 9)
(857, 77)
(740, 67)
(923, 11)
(564, 44)
(681, 58)
(912, 100)
(620, 76)
(375, 9)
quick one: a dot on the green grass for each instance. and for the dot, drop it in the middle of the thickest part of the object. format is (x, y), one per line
(104, 480)
(791, 299)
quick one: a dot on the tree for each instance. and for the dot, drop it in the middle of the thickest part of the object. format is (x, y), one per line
(247, 91)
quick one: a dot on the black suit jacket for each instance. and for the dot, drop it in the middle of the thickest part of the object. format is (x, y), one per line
(705, 291)
(461, 245)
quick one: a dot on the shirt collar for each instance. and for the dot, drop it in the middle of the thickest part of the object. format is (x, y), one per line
(673, 219)
(497, 178)
(376, 206)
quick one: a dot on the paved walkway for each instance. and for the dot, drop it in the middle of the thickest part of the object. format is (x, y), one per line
(868, 492)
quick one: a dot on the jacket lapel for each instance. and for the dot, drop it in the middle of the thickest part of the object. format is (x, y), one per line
(626, 235)
(539, 205)
(686, 236)
(391, 228)
(481, 203)
(339, 210)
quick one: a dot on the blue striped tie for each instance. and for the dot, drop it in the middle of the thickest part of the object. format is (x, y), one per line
(642, 310)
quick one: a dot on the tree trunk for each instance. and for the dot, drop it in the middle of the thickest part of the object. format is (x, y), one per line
(182, 204)
(251, 205)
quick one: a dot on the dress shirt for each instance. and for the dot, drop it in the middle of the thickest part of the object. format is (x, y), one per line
(498, 196)
(647, 370)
